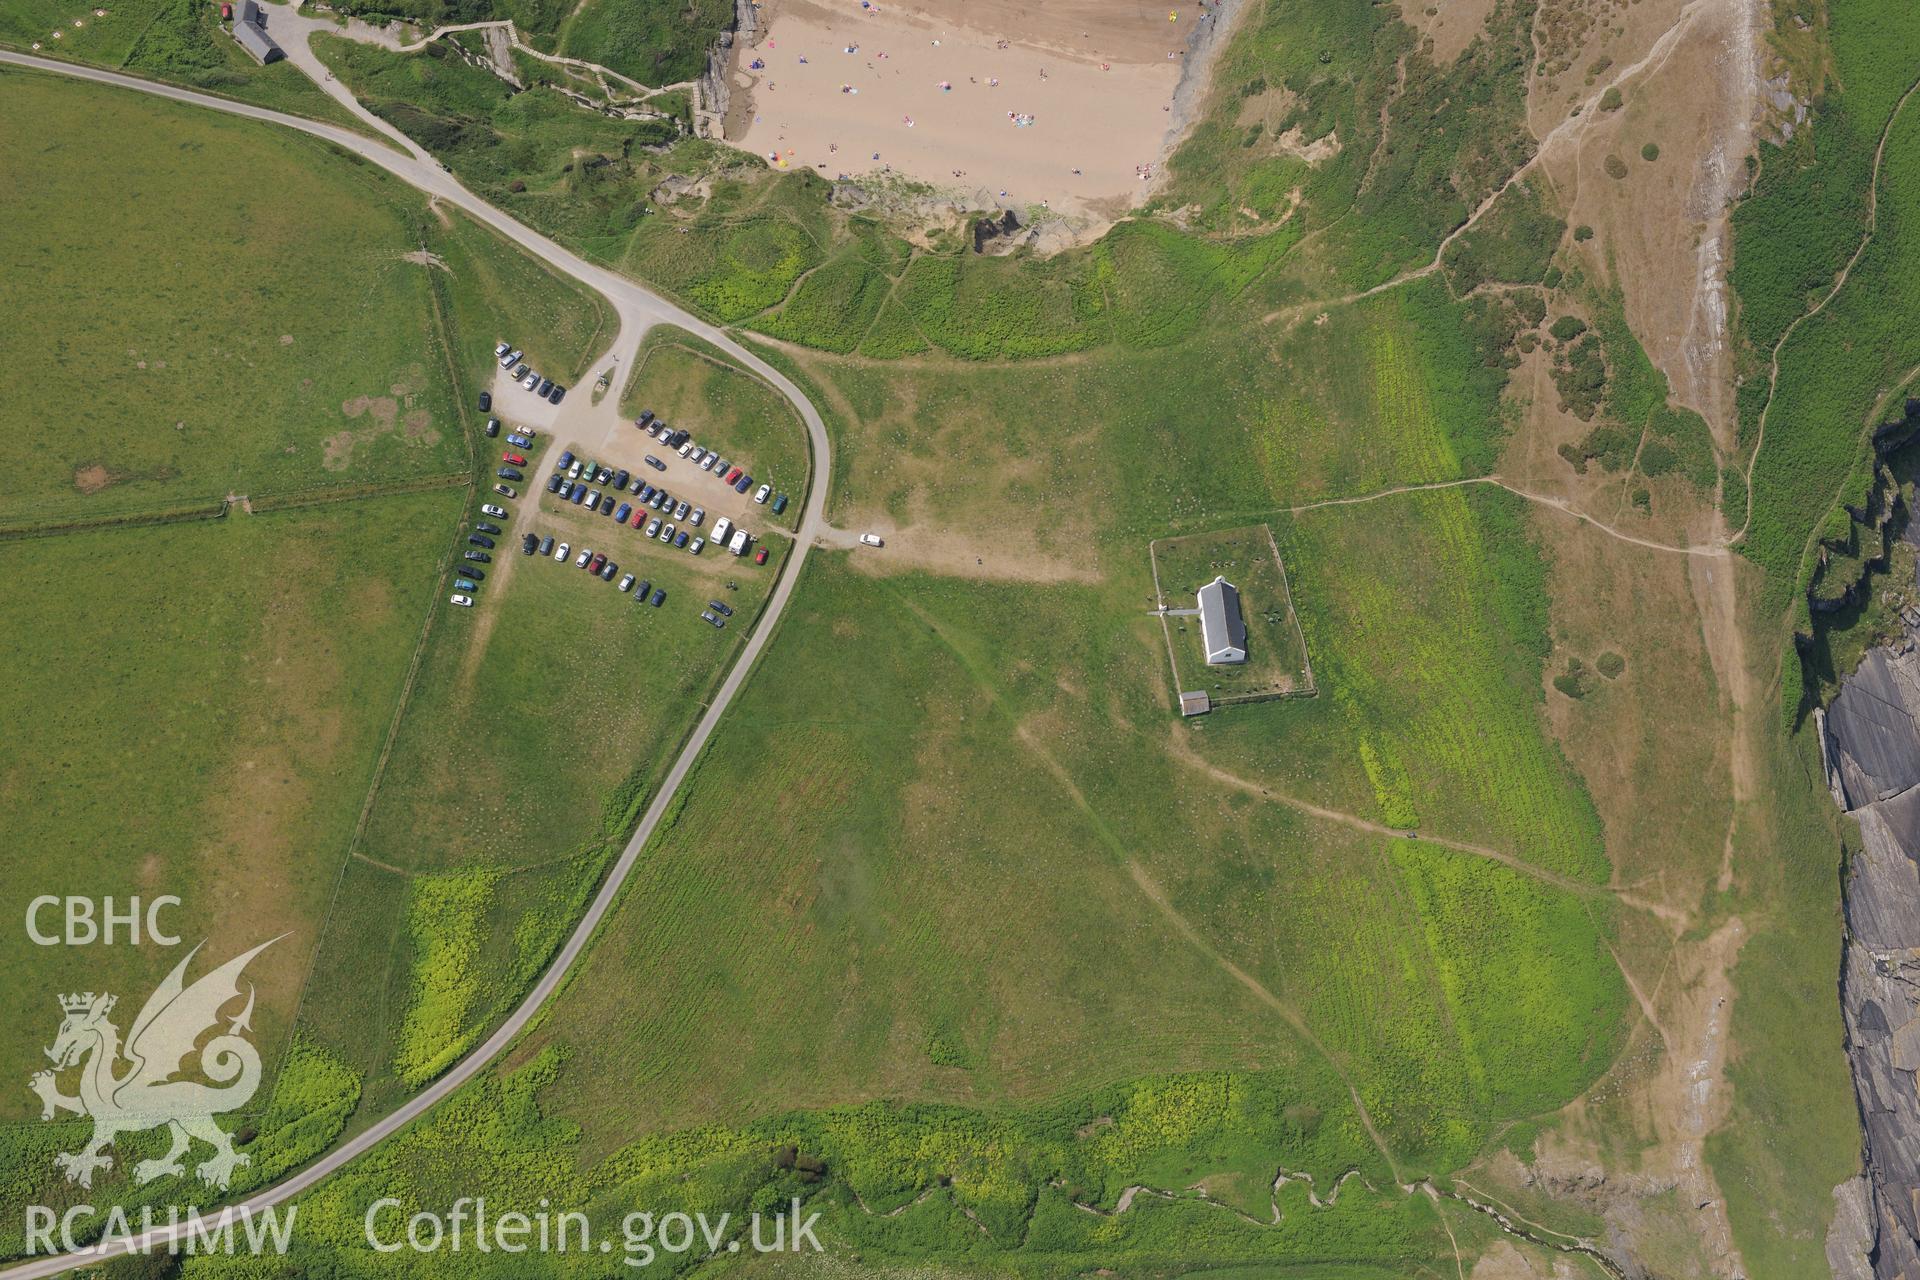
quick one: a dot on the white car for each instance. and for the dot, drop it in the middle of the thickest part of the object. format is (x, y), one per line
(871, 540)
(653, 527)
(531, 381)
(686, 448)
(510, 359)
(698, 518)
(580, 561)
(761, 494)
(626, 582)
(560, 552)
(708, 462)
(497, 512)
(465, 602)
(697, 544)
(502, 349)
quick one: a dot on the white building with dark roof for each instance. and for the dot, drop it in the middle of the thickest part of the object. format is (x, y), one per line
(1222, 628)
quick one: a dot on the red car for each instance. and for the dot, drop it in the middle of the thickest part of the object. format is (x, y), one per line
(513, 458)
(596, 564)
(733, 475)
(640, 515)
(760, 556)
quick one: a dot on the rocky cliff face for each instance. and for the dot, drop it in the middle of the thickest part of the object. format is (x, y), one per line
(1871, 740)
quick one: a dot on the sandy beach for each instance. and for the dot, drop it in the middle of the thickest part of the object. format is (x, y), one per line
(1061, 105)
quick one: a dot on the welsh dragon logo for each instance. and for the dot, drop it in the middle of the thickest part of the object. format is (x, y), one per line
(132, 1087)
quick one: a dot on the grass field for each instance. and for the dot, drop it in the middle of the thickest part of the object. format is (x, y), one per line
(216, 740)
(161, 333)
(172, 40)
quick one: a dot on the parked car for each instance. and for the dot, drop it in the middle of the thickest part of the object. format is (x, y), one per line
(508, 473)
(699, 517)
(662, 501)
(653, 527)
(506, 491)
(579, 494)
(712, 461)
(487, 526)
(760, 556)
(513, 459)
(655, 463)
(480, 540)
(677, 437)
(639, 516)
(779, 503)
(561, 552)
(558, 393)
(720, 607)
(698, 544)
(566, 459)
(666, 533)
(554, 482)
(721, 528)
(871, 540)
(599, 562)
(680, 512)
(486, 401)
(493, 509)
(468, 571)
(645, 419)
(546, 545)
(477, 557)
(527, 543)
(546, 385)
(621, 477)
(493, 427)
(607, 572)
(745, 483)
(531, 381)
(763, 493)
(520, 370)
(465, 584)
(731, 476)
(646, 493)
(720, 466)
(680, 539)
(580, 561)
(620, 516)
(520, 439)
(651, 428)
(464, 601)
(659, 597)
(502, 349)
(512, 358)
(686, 449)
(708, 617)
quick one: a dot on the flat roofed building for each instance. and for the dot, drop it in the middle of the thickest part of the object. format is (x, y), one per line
(1221, 626)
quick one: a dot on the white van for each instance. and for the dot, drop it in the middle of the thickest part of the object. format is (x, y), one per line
(739, 544)
(721, 528)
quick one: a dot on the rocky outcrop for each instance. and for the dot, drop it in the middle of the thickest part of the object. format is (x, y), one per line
(1871, 742)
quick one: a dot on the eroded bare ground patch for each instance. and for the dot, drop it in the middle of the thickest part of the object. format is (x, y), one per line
(382, 415)
(1655, 177)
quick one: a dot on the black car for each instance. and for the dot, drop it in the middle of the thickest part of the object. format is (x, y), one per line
(646, 416)
(546, 385)
(486, 526)
(478, 557)
(724, 610)
(480, 540)
(659, 598)
(607, 504)
(508, 473)
(546, 545)
(486, 401)
(470, 572)
(553, 482)
(621, 477)
(679, 437)
(493, 427)
(527, 543)
(640, 592)
(558, 394)
(655, 463)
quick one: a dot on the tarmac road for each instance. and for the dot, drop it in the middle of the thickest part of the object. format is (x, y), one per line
(638, 309)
